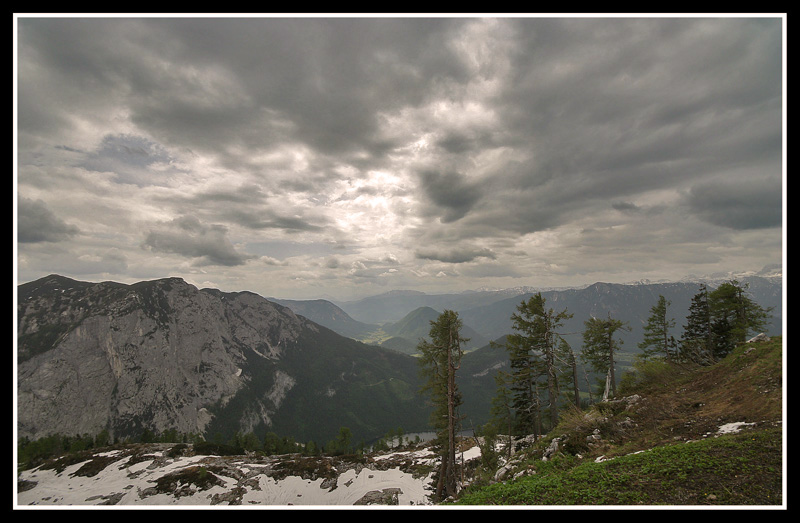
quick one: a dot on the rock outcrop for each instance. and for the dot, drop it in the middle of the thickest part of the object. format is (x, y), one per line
(149, 355)
(164, 355)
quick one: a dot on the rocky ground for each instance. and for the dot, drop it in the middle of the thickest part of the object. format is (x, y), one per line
(162, 474)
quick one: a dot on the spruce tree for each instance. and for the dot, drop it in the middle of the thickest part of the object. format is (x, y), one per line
(439, 360)
(718, 321)
(525, 368)
(657, 339)
(697, 341)
(600, 346)
(502, 411)
(533, 352)
(569, 373)
(734, 316)
(343, 441)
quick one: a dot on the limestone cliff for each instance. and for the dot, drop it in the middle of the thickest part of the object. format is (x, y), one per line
(161, 355)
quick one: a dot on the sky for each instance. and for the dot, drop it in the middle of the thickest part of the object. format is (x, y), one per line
(331, 156)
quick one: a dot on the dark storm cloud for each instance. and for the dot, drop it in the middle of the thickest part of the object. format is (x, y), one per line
(626, 207)
(270, 219)
(249, 206)
(748, 204)
(464, 141)
(606, 104)
(442, 140)
(207, 83)
(513, 199)
(616, 107)
(131, 158)
(611, 109)
(186, 236)
(238, 89)
(459, 254)
(451, 194)
(37, 223)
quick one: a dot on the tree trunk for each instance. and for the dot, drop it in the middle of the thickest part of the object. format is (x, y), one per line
(608, 385)
(450, 480)
(552, 382)
(440, 483)
(576, 390)
(611, 364)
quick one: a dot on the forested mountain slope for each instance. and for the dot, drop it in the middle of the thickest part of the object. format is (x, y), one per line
(628, 303)
(164, 355)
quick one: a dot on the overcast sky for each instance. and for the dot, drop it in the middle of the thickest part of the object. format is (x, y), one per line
(342, 157)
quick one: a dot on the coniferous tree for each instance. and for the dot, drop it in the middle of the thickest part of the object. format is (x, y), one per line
(102, 439)
(439, 360)
(600, 346)
(718, 321)
(533, 351)
(147, 436)
(525, 369)
(733, 316)
(250, 442)
(502, 410)
(570, 372)
(271, 443)
(343, 441)
(696, 343)
(657, 339)
(310, 448)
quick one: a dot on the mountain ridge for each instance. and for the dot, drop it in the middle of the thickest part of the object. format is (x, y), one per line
(416, 325)
(328, 314)
(163, 354)
(772, 273)
(489, 312)
(163, 351)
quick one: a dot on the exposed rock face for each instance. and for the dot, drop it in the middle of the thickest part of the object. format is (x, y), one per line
(151, 355)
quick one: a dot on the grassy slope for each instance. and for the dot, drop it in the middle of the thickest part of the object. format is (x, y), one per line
(664, 449)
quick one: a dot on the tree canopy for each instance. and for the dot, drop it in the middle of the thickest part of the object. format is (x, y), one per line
(600, 346)
(533, 351)
(657, 338)
(718, 320)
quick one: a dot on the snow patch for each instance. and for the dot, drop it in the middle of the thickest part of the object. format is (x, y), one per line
(128, 481)
(732, 428)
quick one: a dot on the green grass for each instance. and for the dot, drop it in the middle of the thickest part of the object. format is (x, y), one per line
(663, 449)
(734, 469)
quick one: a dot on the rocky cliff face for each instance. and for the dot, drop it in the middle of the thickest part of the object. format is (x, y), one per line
(155, 355)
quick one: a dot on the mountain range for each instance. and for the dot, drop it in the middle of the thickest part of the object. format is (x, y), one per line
(486, 314)
(163, 354)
